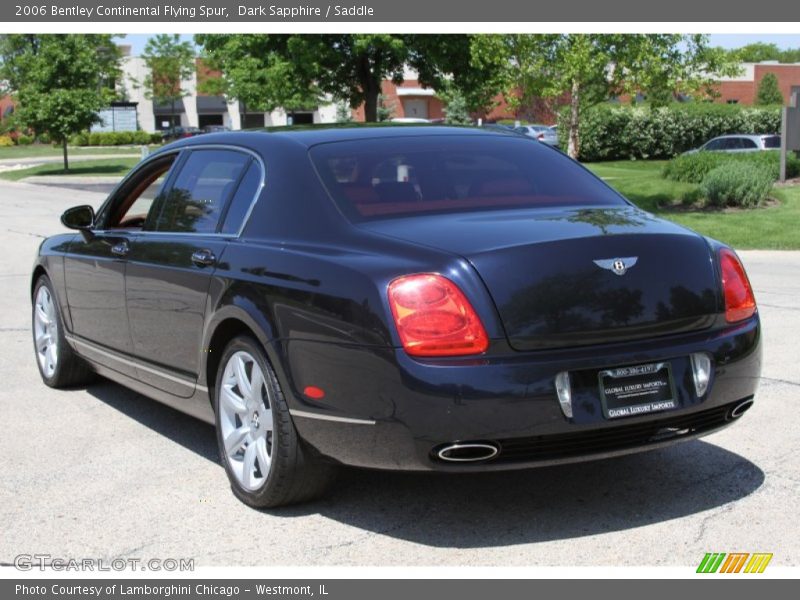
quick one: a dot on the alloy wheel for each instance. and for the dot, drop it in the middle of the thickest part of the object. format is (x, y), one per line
(45, 326)
(246, 420)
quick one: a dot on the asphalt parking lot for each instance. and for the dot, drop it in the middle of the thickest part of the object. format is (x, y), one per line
(105, 473)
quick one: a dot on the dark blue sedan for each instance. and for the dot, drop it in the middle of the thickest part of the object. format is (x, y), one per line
(420, 298)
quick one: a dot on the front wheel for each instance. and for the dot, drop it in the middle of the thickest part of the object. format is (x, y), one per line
(266, 462)
(58, 365)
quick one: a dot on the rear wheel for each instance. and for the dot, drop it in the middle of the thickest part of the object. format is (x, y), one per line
(266, 462)
(58, 364)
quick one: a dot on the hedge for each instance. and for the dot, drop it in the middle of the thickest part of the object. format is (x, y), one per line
(622, 131)
(736, 183)
(115, 138)
(693, 168)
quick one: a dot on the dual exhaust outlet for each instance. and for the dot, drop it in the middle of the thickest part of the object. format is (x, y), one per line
(483, 451)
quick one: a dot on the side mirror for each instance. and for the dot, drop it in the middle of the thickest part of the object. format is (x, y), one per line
(80, 218)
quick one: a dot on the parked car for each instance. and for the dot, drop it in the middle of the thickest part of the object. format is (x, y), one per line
(178, 133)
(414, 298)
(543, 133)
(216, 128)
(740, 143)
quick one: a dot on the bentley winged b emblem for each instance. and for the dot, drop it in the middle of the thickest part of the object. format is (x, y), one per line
(618, 266)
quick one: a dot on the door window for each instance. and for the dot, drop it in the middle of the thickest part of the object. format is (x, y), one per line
(139, 198)
(196, 200)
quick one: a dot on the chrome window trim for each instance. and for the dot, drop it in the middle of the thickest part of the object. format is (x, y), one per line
(177, 151)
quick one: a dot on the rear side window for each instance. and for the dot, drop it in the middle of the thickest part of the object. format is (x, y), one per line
(772, 141)
(195, 201)
(407, 176)
(243, 199)
(747, 143)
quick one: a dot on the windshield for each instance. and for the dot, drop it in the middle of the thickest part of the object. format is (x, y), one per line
(407, 176)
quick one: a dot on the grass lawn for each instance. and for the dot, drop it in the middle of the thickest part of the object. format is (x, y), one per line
(36, 150)
(105, 167)
(776, 228)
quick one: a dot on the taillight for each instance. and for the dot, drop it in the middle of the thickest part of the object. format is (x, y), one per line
(739, 300)
(434, 318)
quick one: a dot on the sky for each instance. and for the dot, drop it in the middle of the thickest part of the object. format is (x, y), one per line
(725, 40)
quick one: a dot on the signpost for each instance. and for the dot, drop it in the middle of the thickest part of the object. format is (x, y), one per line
(790, 130)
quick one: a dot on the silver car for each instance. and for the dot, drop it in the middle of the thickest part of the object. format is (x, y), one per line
(543, 133)
(740, 143)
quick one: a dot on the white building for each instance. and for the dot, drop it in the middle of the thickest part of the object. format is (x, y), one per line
(198, 110)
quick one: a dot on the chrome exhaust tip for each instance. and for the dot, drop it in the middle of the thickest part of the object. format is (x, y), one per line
(741, 408)
(468, 452)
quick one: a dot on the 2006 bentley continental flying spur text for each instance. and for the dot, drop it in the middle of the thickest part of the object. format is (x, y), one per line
(407, 297)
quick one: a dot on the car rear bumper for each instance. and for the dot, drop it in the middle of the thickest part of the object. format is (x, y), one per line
(384, 410)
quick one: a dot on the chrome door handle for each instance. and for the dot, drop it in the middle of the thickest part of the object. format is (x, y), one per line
(203, 258)
(120, 249)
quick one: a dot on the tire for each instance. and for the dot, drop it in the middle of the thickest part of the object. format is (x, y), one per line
(255, 421)
(58, 364)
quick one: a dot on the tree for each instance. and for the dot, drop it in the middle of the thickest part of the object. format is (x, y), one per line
(344, 114)
(455, 111)
(588, 69)
(768, 90)
(760, 52)
(385, 109)
(349, 67)
(469, 66)
(169, 62)
(60, 82)
(255, 70)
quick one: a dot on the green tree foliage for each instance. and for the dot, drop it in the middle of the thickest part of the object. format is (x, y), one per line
(255, 70)
(169, 62)
(586, 69)
(768, 90)
(456, 111)
(59, 81)
(266, 71)
(470, 66)
(761, 51)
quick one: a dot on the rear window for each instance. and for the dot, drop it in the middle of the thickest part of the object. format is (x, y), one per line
(407, 176)
(772, 141)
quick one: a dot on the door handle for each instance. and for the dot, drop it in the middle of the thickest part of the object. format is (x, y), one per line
(203, 258)
(120, 249)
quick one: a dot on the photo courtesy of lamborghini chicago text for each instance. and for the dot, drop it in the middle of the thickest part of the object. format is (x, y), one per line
(399, 299)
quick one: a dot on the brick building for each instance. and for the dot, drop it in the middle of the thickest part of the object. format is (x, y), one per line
(743, 88)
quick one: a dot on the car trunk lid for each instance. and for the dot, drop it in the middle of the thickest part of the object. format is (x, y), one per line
(551, 273)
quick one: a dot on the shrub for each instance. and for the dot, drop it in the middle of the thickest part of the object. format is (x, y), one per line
(43, 138)
(693, 168)
(115, 138)
(616, 131)
(80, 139)
(156, 138)
(5, 140)
(736, 184)
(24, 140)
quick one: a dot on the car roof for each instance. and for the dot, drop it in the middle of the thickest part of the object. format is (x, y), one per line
(757, 136)
(312, 135)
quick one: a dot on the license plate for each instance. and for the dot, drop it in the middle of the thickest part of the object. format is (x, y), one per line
(639, 390)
